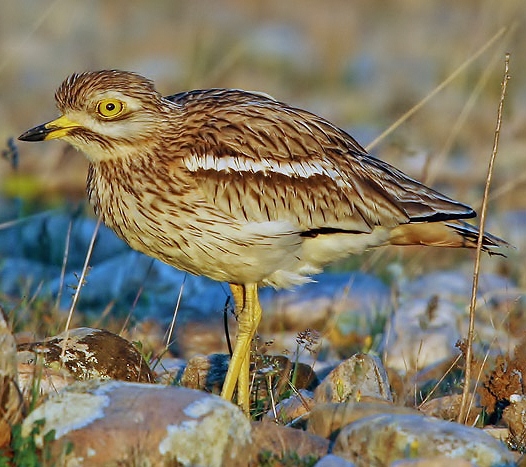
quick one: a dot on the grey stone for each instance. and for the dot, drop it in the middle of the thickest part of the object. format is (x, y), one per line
(331, 460)
(358, 376)
(380, 439)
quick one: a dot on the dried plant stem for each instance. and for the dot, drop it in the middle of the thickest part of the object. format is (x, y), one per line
(463, 412)
(439, 382)
(439, 88)
(83, 274)
(431, 170)
(176, 309)
(136, 299)
(64, 264)
(82, 278)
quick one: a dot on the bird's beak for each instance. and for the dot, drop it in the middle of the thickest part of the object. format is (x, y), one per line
(55, 129)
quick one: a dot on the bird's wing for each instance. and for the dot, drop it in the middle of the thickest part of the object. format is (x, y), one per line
(259, 159)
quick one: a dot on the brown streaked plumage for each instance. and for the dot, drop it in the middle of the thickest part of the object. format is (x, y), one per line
(241, 188)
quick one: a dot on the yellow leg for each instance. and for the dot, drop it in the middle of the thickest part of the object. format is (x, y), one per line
(243, 393)
(248, 315)
(243, 384)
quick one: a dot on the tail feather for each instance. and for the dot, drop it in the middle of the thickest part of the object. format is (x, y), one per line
(454, 234)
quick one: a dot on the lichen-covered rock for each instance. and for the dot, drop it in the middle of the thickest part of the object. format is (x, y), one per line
(378, 440)
(515, 416)
(87, 353)
(358, 376)
(120, 423)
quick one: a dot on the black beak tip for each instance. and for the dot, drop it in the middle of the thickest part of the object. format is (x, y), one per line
(34, 134)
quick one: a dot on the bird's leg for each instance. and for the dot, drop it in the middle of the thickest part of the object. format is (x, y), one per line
(238, 292)
(248, 315)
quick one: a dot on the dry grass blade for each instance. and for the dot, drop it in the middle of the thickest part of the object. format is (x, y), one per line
(439, 88)
(463, 412)
(64, 264)
(80, 284)
(431, 170)
(174, 316)
(48, 12)
(135, 300)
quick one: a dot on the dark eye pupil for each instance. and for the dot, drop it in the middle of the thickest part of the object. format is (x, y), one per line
(110, 107)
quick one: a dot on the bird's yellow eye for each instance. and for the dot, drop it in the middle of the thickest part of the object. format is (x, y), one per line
(110, 108)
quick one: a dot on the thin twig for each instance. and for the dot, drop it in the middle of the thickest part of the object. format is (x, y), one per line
(15, 52)
(463, 412)
(439, 382)
(83, 274)
(23, 220)
(136, 299)
(64, 264)
(439, 88)
(434, 163)
(176, 309)
(82, 278)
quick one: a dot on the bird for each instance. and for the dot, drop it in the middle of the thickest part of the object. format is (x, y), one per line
(241, 188)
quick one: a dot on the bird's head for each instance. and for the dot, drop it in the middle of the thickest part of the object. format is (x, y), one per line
(105, 114)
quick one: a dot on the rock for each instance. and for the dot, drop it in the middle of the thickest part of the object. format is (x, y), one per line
(448, 407)
(206, 372)
(333, 461)
(347, 300)
(88, 353)
(279, 372)
(36, 374)
(276, 442)
(328, 419)
(515, 417)
(439, 461)
(121, 423)
(496, 294)
(423, 332)
(200, 337)
(295, 407)
(500, 433)
(169, 370)
(381, 439)
(149, 336)
(456, 286)
(359, 376)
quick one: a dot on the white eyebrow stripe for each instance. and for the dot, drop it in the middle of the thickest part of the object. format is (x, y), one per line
(266, 166)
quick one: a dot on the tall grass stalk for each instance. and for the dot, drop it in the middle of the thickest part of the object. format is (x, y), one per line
(64, 264)
(82, 278)
(464, 406)
(439, 88)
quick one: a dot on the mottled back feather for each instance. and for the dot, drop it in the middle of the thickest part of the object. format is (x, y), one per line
(259, 159)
